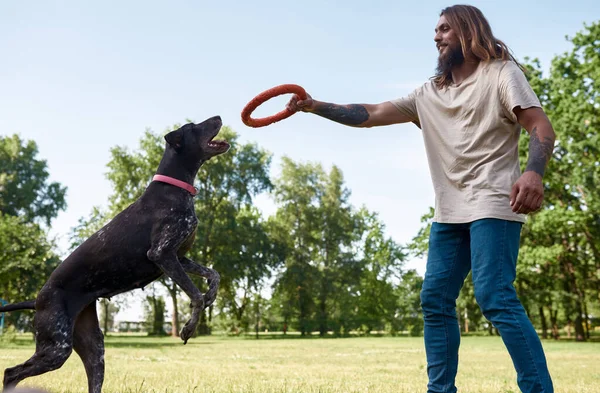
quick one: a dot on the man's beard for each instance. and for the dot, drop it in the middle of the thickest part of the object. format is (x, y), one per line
(453, 58)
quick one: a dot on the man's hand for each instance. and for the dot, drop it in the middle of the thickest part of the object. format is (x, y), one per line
(527, 193)
(298, 105)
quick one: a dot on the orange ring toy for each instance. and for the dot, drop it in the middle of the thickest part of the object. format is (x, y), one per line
(265, 96)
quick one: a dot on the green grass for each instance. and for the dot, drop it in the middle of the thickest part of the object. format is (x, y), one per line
(373, 365)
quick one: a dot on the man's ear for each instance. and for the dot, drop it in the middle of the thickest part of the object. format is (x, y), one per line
(175, 139)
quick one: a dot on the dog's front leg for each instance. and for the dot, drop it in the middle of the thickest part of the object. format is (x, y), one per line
(170, 265)
(210, 274)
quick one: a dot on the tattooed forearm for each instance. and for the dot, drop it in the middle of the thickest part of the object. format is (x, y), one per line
(540, 152)
(350, 115)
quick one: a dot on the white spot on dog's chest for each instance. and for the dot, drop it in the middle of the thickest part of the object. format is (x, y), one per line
(173, 234)
(191, 221)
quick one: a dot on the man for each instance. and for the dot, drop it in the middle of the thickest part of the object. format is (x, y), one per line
(471, 114)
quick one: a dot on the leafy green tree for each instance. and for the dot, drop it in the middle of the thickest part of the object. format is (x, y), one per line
(154, 312)
(381, 266)
(27, 258)
(339, 267)
(28, 203)
(298, 192)
(247, 258)
(338, 232)
(24, 188)
(563, 241)
(108, 310)
(408, 294)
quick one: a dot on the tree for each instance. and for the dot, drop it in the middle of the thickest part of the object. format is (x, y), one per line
(250, 255)
(27, 201)
(230, 235)
(563, 241)
(108, 310)
(173, 290)
(154, 312)
(379, 306)
(24, 188)
(297, 192)
(338, 228)
(27, 258)
(338, 267)
(408, 315)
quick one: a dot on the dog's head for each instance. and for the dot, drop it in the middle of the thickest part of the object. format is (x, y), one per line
(194, 142)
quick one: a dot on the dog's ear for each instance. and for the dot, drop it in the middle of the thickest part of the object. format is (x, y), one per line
(175, 139)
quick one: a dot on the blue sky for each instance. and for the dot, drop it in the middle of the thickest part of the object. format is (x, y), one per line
(82, 77)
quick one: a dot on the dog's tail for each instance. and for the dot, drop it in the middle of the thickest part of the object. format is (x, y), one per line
(28, 305)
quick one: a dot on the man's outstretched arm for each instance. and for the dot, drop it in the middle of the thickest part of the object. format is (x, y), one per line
(354, 115)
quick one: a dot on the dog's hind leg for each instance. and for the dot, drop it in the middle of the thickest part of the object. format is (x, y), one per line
(54, 345)
(88, 342)
(211, 275)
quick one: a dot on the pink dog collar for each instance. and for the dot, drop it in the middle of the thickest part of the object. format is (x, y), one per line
(181, 184)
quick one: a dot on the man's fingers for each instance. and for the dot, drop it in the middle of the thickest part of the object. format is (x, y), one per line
(519, 200)
(530, 202)
(293, 104)
(538, 202)
(513, 194)
(533, 202)
(517, 207)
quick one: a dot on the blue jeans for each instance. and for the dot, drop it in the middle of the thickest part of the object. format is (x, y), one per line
(490, 248)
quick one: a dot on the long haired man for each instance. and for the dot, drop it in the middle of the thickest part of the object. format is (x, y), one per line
(471, 114)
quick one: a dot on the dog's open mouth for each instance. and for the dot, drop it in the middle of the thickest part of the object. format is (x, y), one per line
(219, 145)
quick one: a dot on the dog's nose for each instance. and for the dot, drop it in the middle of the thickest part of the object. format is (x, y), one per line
(214, 121)
(217, 120)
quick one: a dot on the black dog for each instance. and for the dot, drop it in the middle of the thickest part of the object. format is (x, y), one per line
(146, 240)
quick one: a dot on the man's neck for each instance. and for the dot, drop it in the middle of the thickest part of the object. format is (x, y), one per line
(463, 71)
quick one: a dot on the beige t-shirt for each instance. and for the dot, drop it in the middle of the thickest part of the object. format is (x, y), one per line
(471, 138)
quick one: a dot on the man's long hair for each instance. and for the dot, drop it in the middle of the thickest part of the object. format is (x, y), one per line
(475, 35)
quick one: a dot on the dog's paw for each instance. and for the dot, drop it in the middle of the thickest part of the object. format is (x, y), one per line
(187, 332)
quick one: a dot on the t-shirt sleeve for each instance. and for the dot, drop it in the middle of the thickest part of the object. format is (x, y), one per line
(407, 105)
(515, 90)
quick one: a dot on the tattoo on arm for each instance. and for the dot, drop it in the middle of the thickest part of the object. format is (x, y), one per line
(350, 115)
(539, 152)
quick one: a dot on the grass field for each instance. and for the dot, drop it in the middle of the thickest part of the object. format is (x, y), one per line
(374, 365)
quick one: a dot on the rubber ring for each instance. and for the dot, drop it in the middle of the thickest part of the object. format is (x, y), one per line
(265, 96)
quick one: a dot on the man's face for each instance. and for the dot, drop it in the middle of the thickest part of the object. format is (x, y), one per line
(448, 46)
